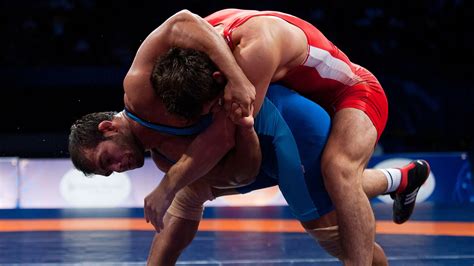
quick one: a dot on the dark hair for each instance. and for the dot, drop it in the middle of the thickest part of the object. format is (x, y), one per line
(85, 134)
(182, 78)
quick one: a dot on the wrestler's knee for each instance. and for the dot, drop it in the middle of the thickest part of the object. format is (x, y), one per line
(337, 169)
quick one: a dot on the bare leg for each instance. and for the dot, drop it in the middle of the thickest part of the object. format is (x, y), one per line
(330, 219)
(374, 182)
(172, 240)
(380, 259)
(349, 148)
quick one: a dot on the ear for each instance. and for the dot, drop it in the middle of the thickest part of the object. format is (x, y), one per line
(219, 77)
(106, 126)
(214, 105)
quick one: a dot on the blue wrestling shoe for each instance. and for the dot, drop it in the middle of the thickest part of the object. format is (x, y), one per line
(414, 175)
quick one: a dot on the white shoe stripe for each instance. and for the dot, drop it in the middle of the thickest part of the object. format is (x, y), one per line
(409, 201)
(411, 197)
(413, 194)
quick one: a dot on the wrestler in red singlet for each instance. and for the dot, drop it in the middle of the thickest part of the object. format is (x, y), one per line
(327, 76)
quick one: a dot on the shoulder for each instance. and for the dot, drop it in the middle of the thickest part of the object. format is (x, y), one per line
(261, 27)
(138, 89)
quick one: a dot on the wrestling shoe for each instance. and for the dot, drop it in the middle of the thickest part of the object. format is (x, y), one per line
(414, 175)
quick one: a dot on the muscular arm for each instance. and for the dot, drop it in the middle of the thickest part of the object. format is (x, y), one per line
(201, 156)
(206, 150)
(181, 223)
(241, 163)
(188, 30)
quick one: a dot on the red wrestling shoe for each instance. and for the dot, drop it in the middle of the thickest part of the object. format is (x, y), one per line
(414, 175)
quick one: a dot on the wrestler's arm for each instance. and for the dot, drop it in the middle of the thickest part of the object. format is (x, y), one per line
(188, 30)
(242, 163)
(182, 221)
(206, 151)
(202, 155)
(177, 235)
(171, 241)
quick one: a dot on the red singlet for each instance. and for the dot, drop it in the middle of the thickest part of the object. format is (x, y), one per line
(327, 76)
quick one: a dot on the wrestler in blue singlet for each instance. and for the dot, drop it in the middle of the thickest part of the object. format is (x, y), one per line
(307, 125)
(291, 150)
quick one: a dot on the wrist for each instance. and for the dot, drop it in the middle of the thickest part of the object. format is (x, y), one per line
(236, 75)
(246, 131)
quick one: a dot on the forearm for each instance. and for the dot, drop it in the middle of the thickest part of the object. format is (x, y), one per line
(202, 155)
(244, 161)
(168, 244)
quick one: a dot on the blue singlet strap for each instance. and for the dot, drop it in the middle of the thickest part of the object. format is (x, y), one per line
(197, 128)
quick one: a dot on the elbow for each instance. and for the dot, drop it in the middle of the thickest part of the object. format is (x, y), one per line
(182, 22)
(183, 16)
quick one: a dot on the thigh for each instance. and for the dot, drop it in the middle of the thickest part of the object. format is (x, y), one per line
(367, 96)
(351, 141)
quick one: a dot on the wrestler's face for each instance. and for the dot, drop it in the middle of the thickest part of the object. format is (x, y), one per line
(119, 153)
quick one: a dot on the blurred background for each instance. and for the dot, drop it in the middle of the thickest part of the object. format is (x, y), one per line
(61, 59)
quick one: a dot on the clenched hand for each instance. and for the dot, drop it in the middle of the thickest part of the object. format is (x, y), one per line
(239, 98)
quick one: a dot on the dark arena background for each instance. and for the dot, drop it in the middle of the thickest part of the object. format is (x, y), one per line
(61, 59)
